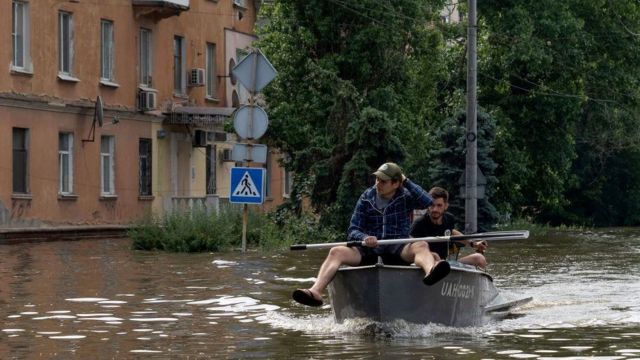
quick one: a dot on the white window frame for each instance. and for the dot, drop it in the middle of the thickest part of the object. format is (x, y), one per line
(146, 58)
(107, 161)
(106, 51)
(179, 71)
(65, 44)
(211, 81)
(65, 176)
(20, 37)
(287, 183)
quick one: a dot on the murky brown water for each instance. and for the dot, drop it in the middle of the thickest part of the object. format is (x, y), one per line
(98, 299)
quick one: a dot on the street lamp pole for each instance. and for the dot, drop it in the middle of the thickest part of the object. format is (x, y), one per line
(471, 168)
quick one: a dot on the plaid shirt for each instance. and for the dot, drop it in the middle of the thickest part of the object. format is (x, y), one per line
(394, 221)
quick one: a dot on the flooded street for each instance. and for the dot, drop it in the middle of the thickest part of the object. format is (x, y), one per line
(97, 299)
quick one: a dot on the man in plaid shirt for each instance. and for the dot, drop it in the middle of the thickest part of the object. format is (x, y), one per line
(382, 212)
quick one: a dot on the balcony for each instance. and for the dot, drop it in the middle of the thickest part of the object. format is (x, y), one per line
(159, 9)
(200, 116)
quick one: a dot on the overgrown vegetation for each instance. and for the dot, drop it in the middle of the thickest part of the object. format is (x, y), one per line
(360, 83)
(198, 231)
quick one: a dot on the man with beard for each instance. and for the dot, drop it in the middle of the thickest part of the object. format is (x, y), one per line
(438, 222)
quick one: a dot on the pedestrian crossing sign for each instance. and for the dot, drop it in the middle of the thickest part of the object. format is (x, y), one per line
(247, 185)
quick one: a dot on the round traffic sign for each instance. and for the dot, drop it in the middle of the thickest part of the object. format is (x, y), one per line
(250, 122)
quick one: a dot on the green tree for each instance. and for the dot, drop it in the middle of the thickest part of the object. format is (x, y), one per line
(448, 165)
(561, 75)
(340, 105)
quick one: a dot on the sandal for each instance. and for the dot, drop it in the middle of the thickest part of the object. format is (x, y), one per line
(305, 297)
(437, 273)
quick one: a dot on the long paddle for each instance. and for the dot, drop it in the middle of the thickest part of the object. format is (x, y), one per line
(496, 235)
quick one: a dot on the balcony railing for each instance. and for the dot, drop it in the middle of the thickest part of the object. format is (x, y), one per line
(185, 204)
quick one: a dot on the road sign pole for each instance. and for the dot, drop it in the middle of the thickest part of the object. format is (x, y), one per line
(245, 220)
(247, 72)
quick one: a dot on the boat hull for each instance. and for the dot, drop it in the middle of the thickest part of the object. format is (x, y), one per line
(384, 293)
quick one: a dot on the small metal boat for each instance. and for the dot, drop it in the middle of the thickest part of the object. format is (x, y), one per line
(384, 293)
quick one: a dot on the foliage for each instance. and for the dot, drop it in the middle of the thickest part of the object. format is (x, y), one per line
(448, 165)
(341, 103)
(365, 82)
(199, 231)
(566, 83)
(187, 232)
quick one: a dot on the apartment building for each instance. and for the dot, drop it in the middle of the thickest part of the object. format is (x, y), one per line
(112, 109)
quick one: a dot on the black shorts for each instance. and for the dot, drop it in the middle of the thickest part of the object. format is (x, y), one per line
(390, 255)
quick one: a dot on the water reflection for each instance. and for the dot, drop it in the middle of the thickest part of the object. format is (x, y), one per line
(98, 299)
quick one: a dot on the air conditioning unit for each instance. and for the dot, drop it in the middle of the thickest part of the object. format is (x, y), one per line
(146, 100)
(200, 138)
(226, 155)
(196, 77)
(239, 3)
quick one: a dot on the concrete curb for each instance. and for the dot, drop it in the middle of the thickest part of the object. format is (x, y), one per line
(41, 234)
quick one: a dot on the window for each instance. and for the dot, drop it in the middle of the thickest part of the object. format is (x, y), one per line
(65, 163)
(145, 167)
(178, 66)
(267, 176)
(20, 36)
(20, 160)
(287, 182)
(212, 84)
(145, 58)
(65, 43)
(211, 169)
(243, 93)
(106, 50)
(107, 162)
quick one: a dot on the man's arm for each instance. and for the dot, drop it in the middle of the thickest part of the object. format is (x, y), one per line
(421, 198)
(356, 233)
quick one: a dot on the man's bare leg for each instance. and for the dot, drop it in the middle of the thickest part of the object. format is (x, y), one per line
(474, 259)
(419, 253)
(428, 261)
(339, 255)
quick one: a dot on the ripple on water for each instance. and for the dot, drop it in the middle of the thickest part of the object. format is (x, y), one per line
(86, 299)
(67, 337)
(160, 319)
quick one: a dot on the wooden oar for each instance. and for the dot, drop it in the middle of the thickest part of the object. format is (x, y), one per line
(496, 235)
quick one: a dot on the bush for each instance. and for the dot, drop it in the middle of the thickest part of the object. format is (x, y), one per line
(199, 231)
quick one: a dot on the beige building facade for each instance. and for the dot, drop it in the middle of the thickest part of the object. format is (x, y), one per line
(113, 109)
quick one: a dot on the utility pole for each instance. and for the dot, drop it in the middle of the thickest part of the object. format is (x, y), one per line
(471, 168)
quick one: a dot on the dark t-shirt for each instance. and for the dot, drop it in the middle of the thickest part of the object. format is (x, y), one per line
(423, 227)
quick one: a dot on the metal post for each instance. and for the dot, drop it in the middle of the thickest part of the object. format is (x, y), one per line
(245, 220)
(471, 169)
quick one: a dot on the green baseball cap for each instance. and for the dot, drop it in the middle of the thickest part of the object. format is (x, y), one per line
(389, 171)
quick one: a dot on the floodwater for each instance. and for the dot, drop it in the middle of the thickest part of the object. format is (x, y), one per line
(97, 299)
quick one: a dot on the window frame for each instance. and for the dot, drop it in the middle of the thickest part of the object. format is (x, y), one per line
(109, 157)
(68, 153)
(20, 36)
(179, 70)
(145, 174)
(16, 152)
(211, 177)
(210, 71)
(145, 48)
(107, 53)
(287, 183)
(65, 43)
